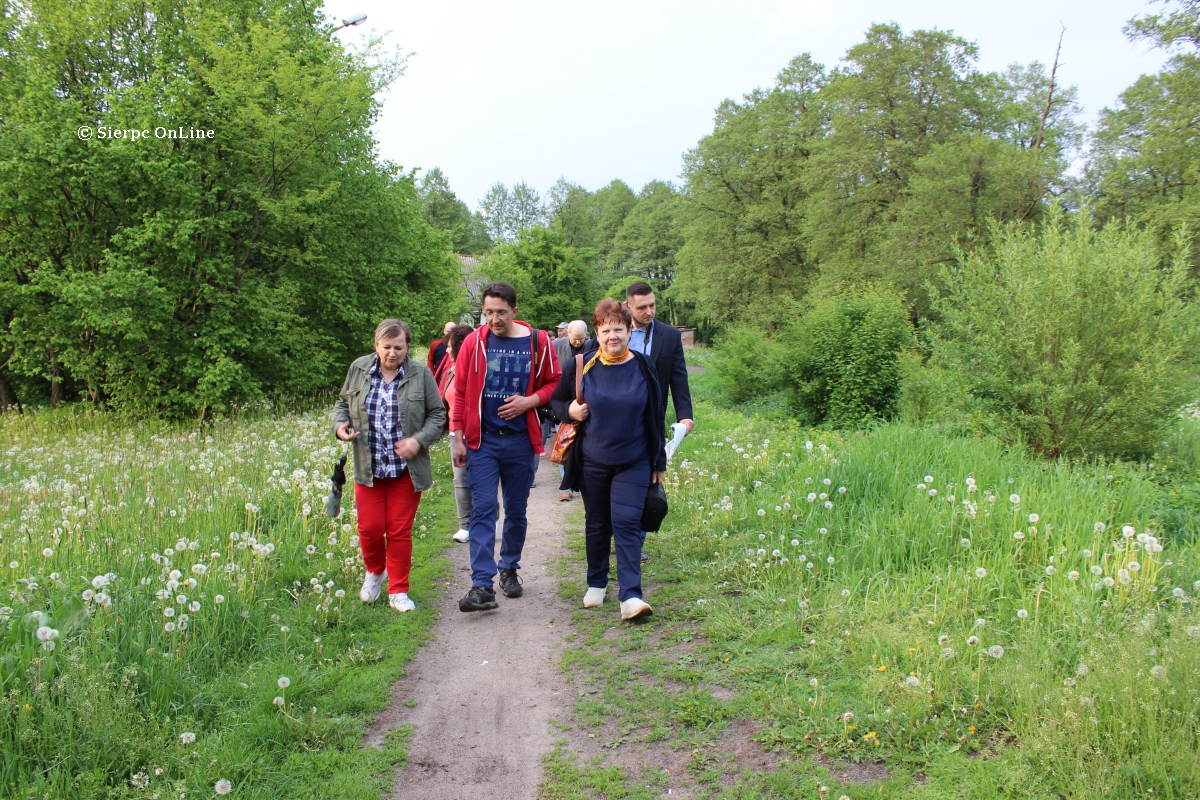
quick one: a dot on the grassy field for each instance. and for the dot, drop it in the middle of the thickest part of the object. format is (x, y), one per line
(181, 619)
(904, 613)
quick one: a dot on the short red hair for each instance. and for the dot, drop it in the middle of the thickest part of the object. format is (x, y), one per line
(609, 312)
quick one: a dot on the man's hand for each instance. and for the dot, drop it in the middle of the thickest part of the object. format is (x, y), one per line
(516, 405)
(687, 423)
(345, 434)
(407, 448)
(657, 477)
(458, 451)
(578, 411)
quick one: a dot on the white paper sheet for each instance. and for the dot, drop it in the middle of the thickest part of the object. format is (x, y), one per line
(678, 431)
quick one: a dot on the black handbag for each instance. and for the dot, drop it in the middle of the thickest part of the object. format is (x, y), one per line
(655, 509)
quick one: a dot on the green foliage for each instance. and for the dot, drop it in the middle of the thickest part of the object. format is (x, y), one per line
(445, 212)
(181, 275)
(846, 351)
(553, 280)
(1070, 339)
(749, 365)
(648, 239)
(1145, 159)
(880, 170)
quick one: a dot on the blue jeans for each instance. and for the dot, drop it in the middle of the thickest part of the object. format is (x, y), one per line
(507, 461)
(613, 498)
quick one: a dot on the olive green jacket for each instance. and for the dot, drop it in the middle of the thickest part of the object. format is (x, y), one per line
(422, 416)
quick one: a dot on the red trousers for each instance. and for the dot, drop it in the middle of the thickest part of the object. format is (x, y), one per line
(385, 518)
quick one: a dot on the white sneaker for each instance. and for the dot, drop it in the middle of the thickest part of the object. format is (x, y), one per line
(594, 597)
(462, 536)
(635, 607)
(400, 602)
(371, 585)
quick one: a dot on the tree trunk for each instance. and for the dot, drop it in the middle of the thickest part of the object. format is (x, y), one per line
(8, 397)
(56, 391)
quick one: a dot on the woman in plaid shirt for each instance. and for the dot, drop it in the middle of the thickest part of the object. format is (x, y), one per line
(395, 402)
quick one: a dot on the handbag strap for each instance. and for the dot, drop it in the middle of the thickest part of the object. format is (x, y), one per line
(579, 379)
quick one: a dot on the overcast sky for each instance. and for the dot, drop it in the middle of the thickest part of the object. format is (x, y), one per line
(534, 90)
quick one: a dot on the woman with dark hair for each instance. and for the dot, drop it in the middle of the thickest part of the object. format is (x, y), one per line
(462, 489)
(617, 454)
(394, 401)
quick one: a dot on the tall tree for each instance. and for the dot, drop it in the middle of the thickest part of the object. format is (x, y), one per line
(554, 281)
(646, 244)
(444, 211)
(1145, 156)
(182, 274)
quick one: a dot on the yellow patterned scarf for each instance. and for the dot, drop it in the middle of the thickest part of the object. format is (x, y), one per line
(608, 360)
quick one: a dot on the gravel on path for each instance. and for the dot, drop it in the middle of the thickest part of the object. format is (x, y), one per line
(486, 688)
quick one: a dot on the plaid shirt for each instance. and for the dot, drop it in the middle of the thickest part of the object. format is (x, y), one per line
(383, 410)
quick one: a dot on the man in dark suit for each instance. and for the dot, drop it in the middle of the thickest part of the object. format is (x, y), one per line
(664, 347)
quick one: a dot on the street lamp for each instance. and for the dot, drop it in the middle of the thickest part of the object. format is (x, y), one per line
(357, 19)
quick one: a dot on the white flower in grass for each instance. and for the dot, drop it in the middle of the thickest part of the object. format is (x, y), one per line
(103, 599)
(929, 479)
(14, 564)
(140, 780)
(194, 606)
(932, 492)
(1050, 570)
(278, 701)
(48, 552)
(284, 681)
(1178, 592)
(996, 651)
(1158, 671)
(912, 681)
(1019, 535)
(87, 595)
(223, 787)
(823, 531)
(1134, 566)
(943, 640)
(1033, 518)
(972, 640)
(1124, 577)
(312, 548)
(1015, 499)
(1109, 582)
(965, 542)
(169, 627)
(812, 497)
(980, 572)
(1097, 570)
(828, 504)
(169, 612)
(1073, 575)
(187, 737)
(339, 594)
(795, 542)
(845, 592)
(1087, 553)
(776, 553)
(921, 487)
(1128, 531)
(99, 582)
(199, 569)
(1022, 614)
(1099, 527)
(219, 599)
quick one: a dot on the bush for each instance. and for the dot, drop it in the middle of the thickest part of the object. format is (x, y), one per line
(1071, 339)
(846, 355)
(750, 365)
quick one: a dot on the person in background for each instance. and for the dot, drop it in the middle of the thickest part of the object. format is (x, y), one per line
(560, 330)
(462, 490)
(389, 408)
(664, 346)
(504, 371)
(619, 451)
(567, 347)
(437, 352)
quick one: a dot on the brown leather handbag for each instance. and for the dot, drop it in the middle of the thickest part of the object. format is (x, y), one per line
(568, 429)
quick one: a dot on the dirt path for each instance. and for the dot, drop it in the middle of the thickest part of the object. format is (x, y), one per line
(487, 686)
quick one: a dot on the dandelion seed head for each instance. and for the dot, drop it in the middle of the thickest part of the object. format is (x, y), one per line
(187, 737)
(223, 786)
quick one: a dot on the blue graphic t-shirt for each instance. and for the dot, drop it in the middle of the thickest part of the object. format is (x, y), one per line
(509, 361)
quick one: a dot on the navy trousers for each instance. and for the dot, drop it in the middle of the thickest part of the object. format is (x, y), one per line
(612, 503)
(507, 461)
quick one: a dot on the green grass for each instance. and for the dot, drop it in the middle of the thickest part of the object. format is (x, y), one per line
(1089, 690)
(84, 496)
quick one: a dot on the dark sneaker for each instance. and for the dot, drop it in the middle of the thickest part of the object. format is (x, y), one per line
(480, 598)
(645, 557)
(510, 583)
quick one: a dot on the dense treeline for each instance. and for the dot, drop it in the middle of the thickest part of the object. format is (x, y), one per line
(179, 275)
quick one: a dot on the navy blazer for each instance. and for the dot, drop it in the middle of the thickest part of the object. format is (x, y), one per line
(666, 353)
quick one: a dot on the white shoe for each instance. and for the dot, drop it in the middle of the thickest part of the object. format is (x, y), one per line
(594, 597)
(371, 586)
(400, 602)
(462, 536)
(635, 607)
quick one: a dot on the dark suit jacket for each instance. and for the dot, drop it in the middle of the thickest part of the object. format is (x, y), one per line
(666, 353)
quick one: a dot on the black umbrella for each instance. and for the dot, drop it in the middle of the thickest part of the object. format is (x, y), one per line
(333, 503)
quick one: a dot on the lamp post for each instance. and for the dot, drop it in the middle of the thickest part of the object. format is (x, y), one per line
(357, 19)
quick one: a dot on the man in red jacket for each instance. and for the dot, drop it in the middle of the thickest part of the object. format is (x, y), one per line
(504, 371)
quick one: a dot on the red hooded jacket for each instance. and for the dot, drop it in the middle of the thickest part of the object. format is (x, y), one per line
(470, 372)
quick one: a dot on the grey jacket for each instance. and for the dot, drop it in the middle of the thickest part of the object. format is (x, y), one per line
(422, 416)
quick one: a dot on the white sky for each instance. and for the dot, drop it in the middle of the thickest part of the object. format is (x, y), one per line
(533, 89)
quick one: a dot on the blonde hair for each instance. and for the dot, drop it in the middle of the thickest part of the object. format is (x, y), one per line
(391, 328)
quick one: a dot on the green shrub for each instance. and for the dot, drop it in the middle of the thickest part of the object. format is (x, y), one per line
(1071, 339)
(749, 365)
(929, 393)
(846, 357)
